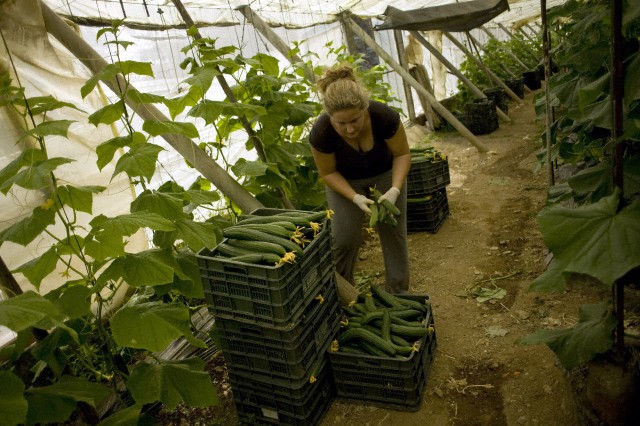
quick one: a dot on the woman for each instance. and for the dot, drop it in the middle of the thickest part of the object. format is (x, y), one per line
(358, 144)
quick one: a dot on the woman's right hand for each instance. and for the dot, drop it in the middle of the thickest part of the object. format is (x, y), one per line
(363, 202)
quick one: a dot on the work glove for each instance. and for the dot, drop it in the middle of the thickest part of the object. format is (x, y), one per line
(391, 195)
(362, 202)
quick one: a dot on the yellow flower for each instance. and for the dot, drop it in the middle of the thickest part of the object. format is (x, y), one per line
(47, 204)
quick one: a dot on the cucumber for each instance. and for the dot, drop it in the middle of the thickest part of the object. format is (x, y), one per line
(409, 331)
(267, 258)
(269, 228)
(385, 328)
(296, 220)
(385, 297)
(372, 349)
(258, 246)
(227, 250)
(373, 219)
(369, 303)
(361, 334)
(239, 232)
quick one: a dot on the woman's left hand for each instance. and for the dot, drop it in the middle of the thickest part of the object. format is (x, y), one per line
(391, 195)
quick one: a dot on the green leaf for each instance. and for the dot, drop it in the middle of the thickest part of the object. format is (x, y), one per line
(55, 403)
(210, 111)
(79, 198)
(73, 301)
(147, 268)
(196, 235)
(157, 128)
(37, 269)
(192, 286)
(299, 113)
(107, 150)
(152, 326)
(128, 224)
(26, 310)
(270, 64)
(167, 205)
(36, 177)
(171, 382)
(135, 67)
(594, 91)
(42, 104)
(107, 73)
(48, 350)
(13, 405)
(594, 239)
(202, 78)
(26, 158)
(177, 105)
(51, 128)
(140, 160)
(104, 245)
(144, 98)
(26, 230)
(129, 416)
(108, 114)
(553, 279)
(591, 336)
(201, 197)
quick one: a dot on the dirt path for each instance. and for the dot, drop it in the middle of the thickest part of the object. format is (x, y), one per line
(491, 238)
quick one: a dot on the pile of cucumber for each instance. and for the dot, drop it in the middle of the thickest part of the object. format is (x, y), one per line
(381, 324)
(429, 154)
(382, 211)
(271, 240)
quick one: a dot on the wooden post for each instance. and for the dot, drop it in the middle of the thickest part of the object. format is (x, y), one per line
(275, 40)
(397, 35)
(445, 113)
(8, 281)
(184, 146)
(490, 73)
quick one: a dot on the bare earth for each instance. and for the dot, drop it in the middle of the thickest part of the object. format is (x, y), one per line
(490, 239)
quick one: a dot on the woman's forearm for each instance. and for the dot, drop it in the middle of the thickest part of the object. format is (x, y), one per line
(401, 166)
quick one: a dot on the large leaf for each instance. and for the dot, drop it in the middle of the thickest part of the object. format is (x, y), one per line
(72, 299)
(135, 67)
(594, 239)
(79, 198)
(129, 416)
(157, 128)
(26, 310)
(191, 286)
(128, 224)
(13, 405)
(196, 235)
(26, 230)
(152, 326)
(108, 114)
(147, 268)
(37, 176)
(104, 245)
(201, 197)
(140, 160)
(48, 350)
(42, 104)
(26, 158)
(107, 150)
(202, 78)
(172, 382)
(591, 336)
(51, 128)
(37, 269)
(56, 402)
(167, 205)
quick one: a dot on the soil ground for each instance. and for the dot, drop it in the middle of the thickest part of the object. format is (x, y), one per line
(489, 240)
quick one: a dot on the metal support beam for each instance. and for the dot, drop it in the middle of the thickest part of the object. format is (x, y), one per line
(490, 73)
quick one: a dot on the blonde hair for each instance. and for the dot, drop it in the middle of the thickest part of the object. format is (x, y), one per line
(340, 89)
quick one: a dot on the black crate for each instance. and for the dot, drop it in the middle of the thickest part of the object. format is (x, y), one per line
(532, 79)
(293, 354)
(267, 295)
(390, 382)
(516, 85)
(499, 98)
(261, 400)
(482, 117)
(426, 177)
(428, 215)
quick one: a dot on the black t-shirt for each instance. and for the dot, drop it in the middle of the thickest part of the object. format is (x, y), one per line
(351, 163)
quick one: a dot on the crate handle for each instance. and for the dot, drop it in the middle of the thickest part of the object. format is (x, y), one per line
(235, 269)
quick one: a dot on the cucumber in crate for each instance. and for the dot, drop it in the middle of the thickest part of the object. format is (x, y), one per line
(384, 351)
(268, 266)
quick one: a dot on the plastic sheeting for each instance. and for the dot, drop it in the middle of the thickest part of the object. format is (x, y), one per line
(452, 17)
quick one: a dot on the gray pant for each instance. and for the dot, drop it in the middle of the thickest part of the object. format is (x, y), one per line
(346, 231)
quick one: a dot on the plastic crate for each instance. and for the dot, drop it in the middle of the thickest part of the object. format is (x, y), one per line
(532, 79)
(516, 85)
(482, 117)
(499, 98)
(428, 216)
(293, 356)
(268, 295)
(426, 177)
(390, 382)
(256, 406)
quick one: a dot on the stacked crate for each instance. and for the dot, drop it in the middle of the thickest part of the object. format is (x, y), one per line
(427, 205)
(275, 324)
(394, 382)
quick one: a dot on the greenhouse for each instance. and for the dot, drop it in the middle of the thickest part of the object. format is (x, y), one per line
(177, 242)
